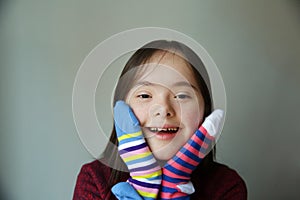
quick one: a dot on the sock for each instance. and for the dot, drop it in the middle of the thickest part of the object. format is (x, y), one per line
(177, 172)
(145, 173)
(125, 191)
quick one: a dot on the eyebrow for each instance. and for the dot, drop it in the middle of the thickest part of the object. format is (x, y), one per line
(177, 84)
(185, 84)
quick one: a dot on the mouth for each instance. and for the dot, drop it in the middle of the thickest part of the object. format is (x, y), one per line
(169, 130)
(164, 133)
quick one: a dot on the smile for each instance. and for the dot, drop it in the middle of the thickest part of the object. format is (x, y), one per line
(164, 130)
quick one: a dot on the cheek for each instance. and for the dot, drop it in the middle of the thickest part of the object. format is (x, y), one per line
(192, 118)
(141, 113)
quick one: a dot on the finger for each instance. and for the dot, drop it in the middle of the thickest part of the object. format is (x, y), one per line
(124, 118)
(213, 123)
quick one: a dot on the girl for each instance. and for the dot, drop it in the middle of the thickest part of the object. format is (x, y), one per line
(167, 87)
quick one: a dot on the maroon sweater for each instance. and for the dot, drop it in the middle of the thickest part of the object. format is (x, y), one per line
(214, 182)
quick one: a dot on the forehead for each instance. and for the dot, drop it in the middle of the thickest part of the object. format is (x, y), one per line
(165, 69)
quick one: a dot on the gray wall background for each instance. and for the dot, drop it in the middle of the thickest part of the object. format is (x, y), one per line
(255, 44)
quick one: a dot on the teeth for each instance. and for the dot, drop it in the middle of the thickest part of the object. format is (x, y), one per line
(154, 129)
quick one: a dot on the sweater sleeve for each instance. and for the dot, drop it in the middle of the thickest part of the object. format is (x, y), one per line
(234, 188)
(91, 183)
(238, 191)
(219, 182)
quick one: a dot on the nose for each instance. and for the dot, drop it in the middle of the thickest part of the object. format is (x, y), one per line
(163, 108)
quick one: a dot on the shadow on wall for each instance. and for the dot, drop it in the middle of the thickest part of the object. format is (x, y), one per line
(296, 5)
(3, 4)
(2, 192)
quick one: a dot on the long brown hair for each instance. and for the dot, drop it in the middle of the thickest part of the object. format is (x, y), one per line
(125, 83)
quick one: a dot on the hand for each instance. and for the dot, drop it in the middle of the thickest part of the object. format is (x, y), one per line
(145, 173)
(177, 171)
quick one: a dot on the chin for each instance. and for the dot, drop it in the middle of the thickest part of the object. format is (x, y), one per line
(164, 151)
(163, 156)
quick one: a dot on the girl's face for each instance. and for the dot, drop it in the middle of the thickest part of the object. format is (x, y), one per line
(168, 104)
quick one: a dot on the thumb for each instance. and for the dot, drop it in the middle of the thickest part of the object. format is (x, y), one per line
(124, 118)
(213, 123)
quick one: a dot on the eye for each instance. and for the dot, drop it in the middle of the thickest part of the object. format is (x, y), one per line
(182, 96)
(144, 96)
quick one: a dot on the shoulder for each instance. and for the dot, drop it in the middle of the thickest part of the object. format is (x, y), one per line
(92, 181)
(218, 181)
(96, 169)
(223, 171)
